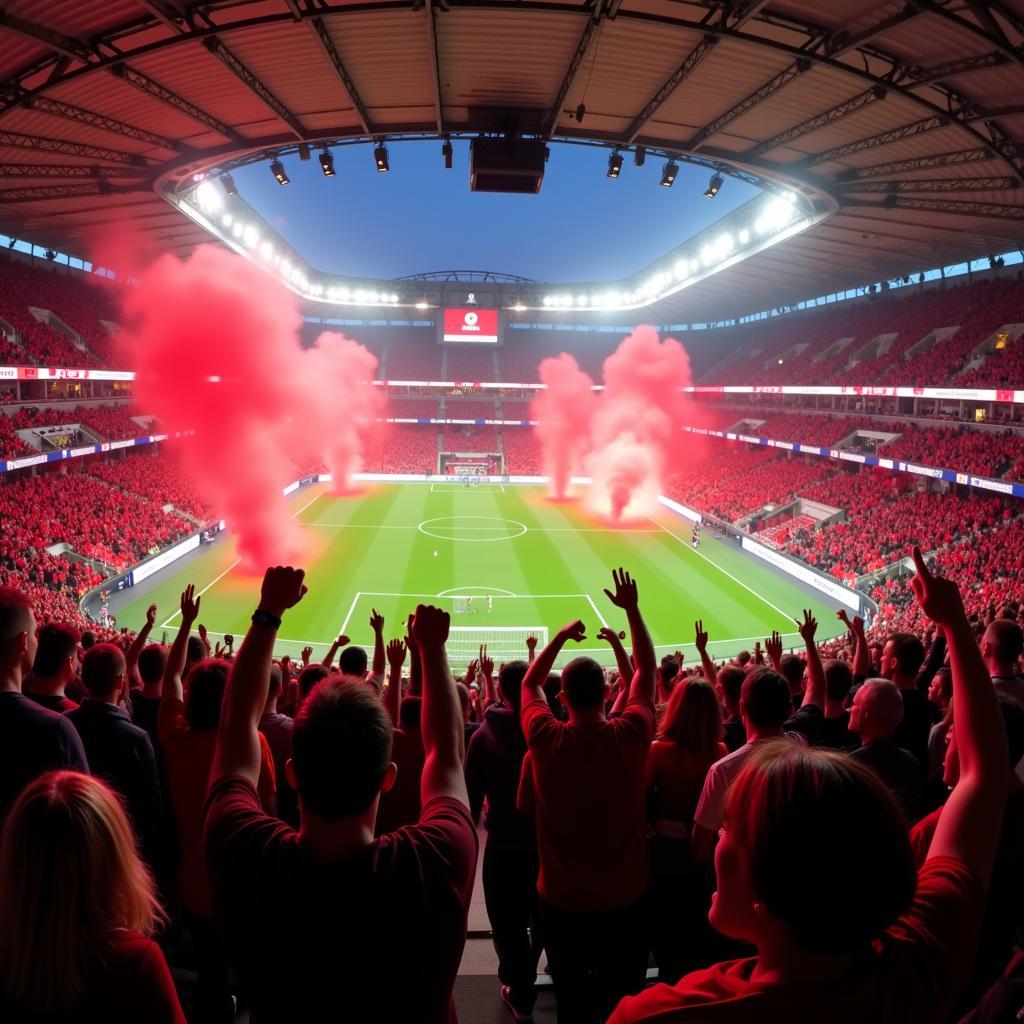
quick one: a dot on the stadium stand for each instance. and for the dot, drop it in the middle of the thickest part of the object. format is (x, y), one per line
(156, 477)
(470, 362)
(469, 408)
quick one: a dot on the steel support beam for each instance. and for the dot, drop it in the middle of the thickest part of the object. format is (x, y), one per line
(917, 163)
(21, 141)
(334, 58)
(991, 113)
(681, 73)
(981, 184)
(956, 207)
(906, 131)
(172, 99)
(988, 32)
(591, 30)
(66, 171)
(951, 69)
(773, 85)
(435, 66)
(844, 42)
(247, 78)
(108, 124)
(822, 120)
(68, 46)
(42, 192)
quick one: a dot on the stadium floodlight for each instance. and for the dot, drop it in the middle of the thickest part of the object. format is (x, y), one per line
(714, 186)
(304, 152)
(278, 171)
(208, 197)
(744, 236)
(668, 174)
(380, 158)
(446, 152)
(581, 112)
(614, 164)
(228, 184)
(326, 159)
(639, 156)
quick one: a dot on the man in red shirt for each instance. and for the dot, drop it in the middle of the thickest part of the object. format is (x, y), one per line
(586, 781)
(328, 923)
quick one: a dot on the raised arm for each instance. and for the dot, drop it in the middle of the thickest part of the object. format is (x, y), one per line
(333, 650)
(393, 694)
(815, 692)
(379, 663)
(441, 722)
(415, 686)
(861, 667)
(701, 642)
(541, 666)
(531, 647)
(627, 598)
(131, 658)
(172, 688)
(969, 826)
(773, 648)
(238, 741)
(622, 662)
(487, 672)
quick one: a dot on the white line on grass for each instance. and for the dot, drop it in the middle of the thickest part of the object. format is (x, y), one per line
(469, 529)
(174, 615)
(352, 607)
(725, 572)
(597, 611)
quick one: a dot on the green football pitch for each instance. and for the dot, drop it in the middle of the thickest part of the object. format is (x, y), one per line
(542, 564)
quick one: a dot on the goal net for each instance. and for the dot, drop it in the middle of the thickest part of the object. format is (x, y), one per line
(503, 643)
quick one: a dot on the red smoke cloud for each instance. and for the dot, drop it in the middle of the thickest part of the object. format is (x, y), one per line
(564, 412)
(635, 434)
(340, 404)
(270, 404)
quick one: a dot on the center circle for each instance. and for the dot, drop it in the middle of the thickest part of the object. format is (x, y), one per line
(474, 529)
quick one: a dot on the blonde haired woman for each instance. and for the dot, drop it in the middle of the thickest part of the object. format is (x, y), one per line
(76, 908)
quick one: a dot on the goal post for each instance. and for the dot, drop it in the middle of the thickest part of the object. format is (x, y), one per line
(503, 643)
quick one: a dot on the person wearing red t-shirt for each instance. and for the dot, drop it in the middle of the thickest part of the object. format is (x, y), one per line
(77, 907)
(329, 923)
(814, 868)
(586, 781)
(187, 730)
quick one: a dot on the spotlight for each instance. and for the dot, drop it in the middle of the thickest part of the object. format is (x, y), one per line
(714, 186)
(278, 171)
(614, 164)
(229, 184)
(380, 156)
(326, 159)
(668, 175)
(446, 152)
(581, 112)
(639, 156)
(304, 152)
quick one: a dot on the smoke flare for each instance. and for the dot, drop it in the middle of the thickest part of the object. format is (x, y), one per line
(564, 411)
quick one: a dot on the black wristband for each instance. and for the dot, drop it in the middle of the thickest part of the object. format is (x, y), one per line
(262, 618)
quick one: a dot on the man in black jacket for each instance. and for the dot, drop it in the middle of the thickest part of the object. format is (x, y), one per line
(494, 763)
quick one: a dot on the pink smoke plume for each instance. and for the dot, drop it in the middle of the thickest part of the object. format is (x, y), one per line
(635, 437)
(217, 316)
(341, 404)
(563, 411)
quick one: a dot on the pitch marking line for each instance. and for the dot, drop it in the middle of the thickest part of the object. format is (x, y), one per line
(597, 611)
(461, 591)
(724, 572)
(351, 609)
(174, 615)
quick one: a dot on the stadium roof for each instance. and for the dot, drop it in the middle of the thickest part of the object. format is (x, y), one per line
(909, 116)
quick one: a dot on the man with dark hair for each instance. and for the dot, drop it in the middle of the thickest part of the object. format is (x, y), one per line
(33, 740)
(586, 783)
(309, 677)
(875, 717)
(119, 752)
(730, 685)
(338, 912)
(54, 667)
(766, 709)
(792, 668)
(1001, 647)
(902, 658)
(354, 662)
(400, 805)
(835, 729)
(494, 764)
(667, 672)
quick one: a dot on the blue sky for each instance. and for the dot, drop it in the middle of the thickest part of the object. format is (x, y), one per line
(420, 217)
